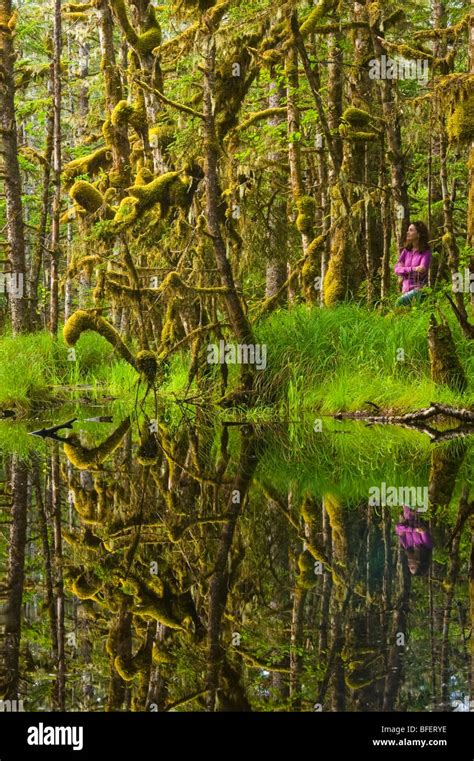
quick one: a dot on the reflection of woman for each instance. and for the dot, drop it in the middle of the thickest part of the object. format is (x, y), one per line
(413, 264)
(415, 539)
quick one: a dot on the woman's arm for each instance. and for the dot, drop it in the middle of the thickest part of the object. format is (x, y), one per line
(424, 262)
(400, 268)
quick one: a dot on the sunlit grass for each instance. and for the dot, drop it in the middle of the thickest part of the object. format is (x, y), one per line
(318, 361)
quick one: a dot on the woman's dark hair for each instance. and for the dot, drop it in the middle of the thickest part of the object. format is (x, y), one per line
(419, 560)
(423, 235)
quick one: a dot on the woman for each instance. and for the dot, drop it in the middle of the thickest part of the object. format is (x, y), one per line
(414, 263)
(415, 538)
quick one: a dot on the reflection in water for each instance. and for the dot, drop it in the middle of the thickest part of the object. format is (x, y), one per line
(232, 569)
(415, 538)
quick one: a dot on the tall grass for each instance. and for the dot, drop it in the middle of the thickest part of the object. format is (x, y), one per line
(336, 359)
(318, 361)
(35, 369)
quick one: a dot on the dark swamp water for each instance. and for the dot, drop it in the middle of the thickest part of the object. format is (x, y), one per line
(180, 565)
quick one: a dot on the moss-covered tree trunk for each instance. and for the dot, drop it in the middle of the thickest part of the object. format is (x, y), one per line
(36, 320)
(15, 578)
(276, 269)
(56, 173)
(60, 687)
(117, 133)
(11, 173)
(470, 208)
(391, 113)
(219, 581)
(303, 204)
(237, 316)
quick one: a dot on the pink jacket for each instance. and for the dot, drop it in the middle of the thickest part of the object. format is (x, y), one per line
(407, 262)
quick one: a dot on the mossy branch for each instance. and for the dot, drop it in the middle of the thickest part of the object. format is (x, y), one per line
(343, 27)
(82, 320)
(168, 101)
(256, 663)
(322, 9)
(405, 50)
(193, 334)
(98, 159)
(449, 34)
(265, 114)
(272, 301)
(90, 459)
(180, 38)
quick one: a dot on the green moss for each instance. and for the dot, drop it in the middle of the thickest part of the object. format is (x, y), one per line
(144, 176)
(90, 164)
(76, 17)
(356, 135)
(162, 136)
(312, 268)
(81, 321)
(394, 19)
(120, 10)
(87, 196)
(172, 280)
(77, 7)
(444, 361)
(460, 124)
(161, 655)
(86, 585)
(149, 40)
(470, 208)
(196, 5)
(168, 190)
(108, 132)
(90, 459)
(356, 117)
(126, 113)
(142, 43)
(375, 12)
(147, 365)
(306, 206)
(310, 512)
(339, 282)
(306, 577)
(127, 211)
(405, 51)
(322, 8)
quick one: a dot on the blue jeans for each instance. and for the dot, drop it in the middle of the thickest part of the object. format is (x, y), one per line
(414, 296)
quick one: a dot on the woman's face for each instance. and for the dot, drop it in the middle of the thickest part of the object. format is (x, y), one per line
(412, 234)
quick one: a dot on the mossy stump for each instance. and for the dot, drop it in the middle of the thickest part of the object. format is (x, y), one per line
(445, 365)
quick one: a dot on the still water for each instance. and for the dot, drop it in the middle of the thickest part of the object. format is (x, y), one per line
(179, 564)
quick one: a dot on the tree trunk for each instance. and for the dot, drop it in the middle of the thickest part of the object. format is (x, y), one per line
(60, 692)
(391, 115)
(237, 316)
(38, 252)
(15, 577)
(11, 174)
(276, 269)
(56, 174)
(218, 585)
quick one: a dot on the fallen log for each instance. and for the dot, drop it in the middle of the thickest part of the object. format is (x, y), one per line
(434, 410)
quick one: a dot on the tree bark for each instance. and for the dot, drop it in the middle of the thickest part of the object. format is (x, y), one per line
(11, 174)
(237, 316)
(15, 577)
(56, 174)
